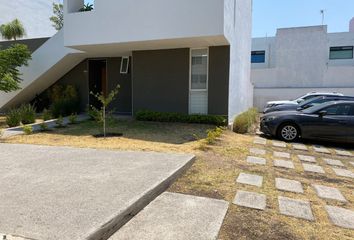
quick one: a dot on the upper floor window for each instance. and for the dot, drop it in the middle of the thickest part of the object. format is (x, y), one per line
(258, 57)
(341, 52)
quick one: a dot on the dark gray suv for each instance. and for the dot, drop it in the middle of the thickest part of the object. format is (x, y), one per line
(333, 121)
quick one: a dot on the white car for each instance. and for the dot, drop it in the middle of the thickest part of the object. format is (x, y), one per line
(301, 99)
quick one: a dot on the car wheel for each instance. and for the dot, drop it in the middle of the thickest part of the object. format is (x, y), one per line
(288, 132)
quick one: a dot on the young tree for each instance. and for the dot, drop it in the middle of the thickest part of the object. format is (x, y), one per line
(101, 115)
(12, 30)
(58, 17)
(10, 59)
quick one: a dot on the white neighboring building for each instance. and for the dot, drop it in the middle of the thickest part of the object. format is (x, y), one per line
(301, 60)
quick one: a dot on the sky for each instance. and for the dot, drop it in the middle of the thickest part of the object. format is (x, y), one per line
(268, 15)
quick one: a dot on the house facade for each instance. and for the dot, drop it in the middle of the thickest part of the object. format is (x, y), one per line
(186, 56)
(301, 60)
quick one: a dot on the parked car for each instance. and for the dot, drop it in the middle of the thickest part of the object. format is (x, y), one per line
(332, 121)
(308, 103)
(301, 98)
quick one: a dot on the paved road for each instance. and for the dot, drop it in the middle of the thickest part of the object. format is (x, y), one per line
(68, 193)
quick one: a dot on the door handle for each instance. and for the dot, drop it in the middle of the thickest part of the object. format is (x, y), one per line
(343, 122)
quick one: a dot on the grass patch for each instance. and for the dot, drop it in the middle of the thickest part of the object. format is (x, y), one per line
(137, 135)
(214, 175)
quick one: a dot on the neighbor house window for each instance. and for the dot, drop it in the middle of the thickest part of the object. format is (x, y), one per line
(124, 65)
(341, 53)
(258, 57)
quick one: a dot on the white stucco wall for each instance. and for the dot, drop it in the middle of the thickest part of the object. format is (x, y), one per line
(127, 21)
(238, 28)
(297, 62)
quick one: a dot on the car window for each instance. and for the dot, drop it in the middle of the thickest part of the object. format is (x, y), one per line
(309, 97)
(352, 111)
(338, 109)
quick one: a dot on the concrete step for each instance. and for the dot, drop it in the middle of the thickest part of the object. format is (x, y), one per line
(73, 194)
(173, 216)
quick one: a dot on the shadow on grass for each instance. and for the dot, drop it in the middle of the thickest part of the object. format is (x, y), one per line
(172, 133)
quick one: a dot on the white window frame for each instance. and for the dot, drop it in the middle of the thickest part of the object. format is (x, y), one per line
(126, 70)
(190, 78)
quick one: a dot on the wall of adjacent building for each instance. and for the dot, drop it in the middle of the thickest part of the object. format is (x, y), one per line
(297, 61)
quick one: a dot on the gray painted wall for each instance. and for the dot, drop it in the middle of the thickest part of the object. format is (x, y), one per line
(161, 80)
(78, 77)
(33, 44)
(123, 102)
(218, 89)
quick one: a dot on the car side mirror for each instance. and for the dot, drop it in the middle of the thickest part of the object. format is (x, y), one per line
(322, 113)
(300, 100)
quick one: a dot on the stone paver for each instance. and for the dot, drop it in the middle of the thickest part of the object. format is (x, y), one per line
(258, 151)
(71, 193)
(343, 153)
(295, 208)
(288, 185)
(329, 193)
(281, 154)
(343, 172)
(313, 168)
(301, 147)
(341, 217)
(306, 158)
(250, 200)
(174, 216)
(279, 144)
(284, 164)
(259, 140)
(250, 179)
(352, 163)
(321, 149)
(256, 160)
(333, 162)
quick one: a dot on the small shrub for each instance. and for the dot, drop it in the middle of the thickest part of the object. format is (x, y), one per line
(46, 115)
(245, 120)
(178, 117)
(27, 129)
(73, 119)
(60, 122)
(64, 100)
(28, 114)
(43, 126)
(13, 118)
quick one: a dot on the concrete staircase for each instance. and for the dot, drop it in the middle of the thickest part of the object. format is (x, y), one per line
(49, 63)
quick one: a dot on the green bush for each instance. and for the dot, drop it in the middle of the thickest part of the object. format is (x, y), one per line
(43, 126)
(245, 120)
(73, 118)
(65, 100)
(60, 122)
(13, 118)
(46, 115)
(28, 114)
(27, 129)
(178, 117)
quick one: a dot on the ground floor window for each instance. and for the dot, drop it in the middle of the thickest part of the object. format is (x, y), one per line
(198, 88)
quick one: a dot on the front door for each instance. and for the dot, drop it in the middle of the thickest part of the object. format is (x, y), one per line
(198, 87)
(97, 81)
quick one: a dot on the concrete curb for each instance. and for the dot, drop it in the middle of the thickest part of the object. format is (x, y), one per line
(114, 224)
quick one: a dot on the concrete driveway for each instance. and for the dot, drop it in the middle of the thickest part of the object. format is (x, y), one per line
(67, 193)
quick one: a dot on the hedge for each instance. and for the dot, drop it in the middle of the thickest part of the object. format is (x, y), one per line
(146, 115)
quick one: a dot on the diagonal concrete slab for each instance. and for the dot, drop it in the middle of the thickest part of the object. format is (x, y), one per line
(174, 216)
(68, 193)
